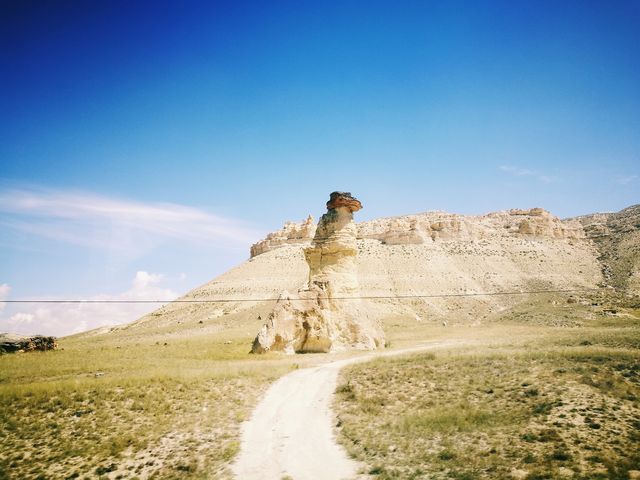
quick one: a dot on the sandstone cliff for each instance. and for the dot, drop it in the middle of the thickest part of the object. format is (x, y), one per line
(291, 233)
(441, 226)
(438, 226)
(326, 313)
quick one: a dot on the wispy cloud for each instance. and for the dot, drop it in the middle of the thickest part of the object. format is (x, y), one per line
(525, 172)
(65, 319)
(626, 179)
(97, 221)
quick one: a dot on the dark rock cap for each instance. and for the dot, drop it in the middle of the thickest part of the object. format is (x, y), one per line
(343, 199)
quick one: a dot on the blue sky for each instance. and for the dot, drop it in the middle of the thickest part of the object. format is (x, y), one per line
(145, 145)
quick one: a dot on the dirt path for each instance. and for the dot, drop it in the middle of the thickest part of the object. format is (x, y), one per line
(290, 433)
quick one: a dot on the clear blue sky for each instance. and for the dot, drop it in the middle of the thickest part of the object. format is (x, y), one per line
(163, 137)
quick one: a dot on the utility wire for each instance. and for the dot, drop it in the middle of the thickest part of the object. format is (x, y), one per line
(389, 297)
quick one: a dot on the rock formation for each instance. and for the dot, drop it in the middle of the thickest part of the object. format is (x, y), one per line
(325, 314)
(428, 253)
(10, 343)
(291, 233)
(401, 233)
(436, 226)
(439, 226)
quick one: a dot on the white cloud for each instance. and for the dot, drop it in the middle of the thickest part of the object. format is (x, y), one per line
(144, 280)
(65, 319)
(525, 172)
(21, 319)
(132, 227)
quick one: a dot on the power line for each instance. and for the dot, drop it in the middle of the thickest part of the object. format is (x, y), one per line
(384, 297)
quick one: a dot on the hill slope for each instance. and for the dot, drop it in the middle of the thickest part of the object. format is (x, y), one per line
(617, 238)
(433, 253)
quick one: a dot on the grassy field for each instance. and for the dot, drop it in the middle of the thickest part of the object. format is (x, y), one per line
(547, 390)
(544, 390)
(123, 406)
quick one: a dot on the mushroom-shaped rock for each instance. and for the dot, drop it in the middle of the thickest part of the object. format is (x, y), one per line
(326, 314)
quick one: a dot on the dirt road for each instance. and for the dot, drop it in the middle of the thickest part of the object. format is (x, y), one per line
(290, 433)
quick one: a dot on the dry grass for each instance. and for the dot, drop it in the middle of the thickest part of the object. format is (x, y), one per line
(119, 406)
(534, 402)
(153, 404)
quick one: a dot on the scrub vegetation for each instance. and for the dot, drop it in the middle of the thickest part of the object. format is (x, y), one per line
(546, 389)
(116, 406)
(536, 402)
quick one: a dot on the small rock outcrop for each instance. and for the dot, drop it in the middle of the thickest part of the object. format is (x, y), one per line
(11, 343)
(291, 233)
(537, 222)
(401, 234)
(325, 314)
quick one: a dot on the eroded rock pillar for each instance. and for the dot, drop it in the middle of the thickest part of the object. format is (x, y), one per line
(327, 313)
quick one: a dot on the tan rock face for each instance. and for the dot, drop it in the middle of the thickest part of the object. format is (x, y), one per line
(291, 233)
(439, 226)
(538, 222)
(426, 227)
(403, 233)
(332, 256)
(326, 313)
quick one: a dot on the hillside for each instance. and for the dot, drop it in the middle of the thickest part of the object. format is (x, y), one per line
(427, 254)
(617, 238)
(525, 386)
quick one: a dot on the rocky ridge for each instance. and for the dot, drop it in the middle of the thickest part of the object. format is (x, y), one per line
(291, 233)
(437, 226)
